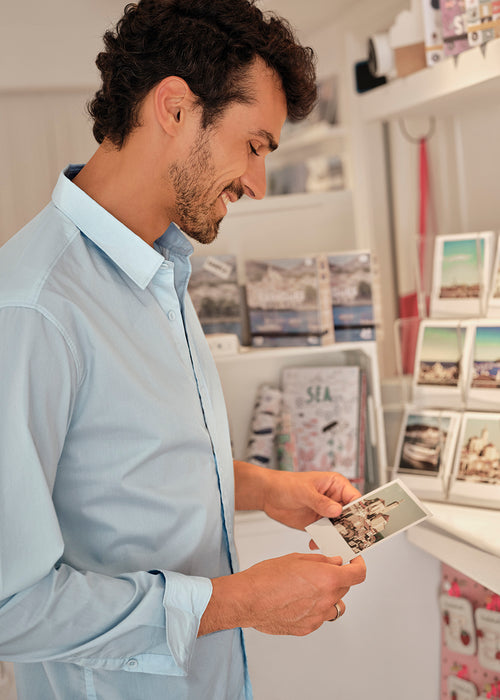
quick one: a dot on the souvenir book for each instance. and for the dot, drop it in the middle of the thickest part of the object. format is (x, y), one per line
(483, 375)
(476, 472)
(351, 287)
(288, 301)
(264, 426)
(461, 275)
(482, 21)
(433, 31)
(455, 39)
(216, 295)
(368, 521)
(439, 378)
(425, 451)
(326, 408)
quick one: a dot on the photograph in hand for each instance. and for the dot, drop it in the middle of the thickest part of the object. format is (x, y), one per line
(371, 519)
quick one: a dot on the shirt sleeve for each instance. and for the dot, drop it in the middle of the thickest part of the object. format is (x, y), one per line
(142, 621)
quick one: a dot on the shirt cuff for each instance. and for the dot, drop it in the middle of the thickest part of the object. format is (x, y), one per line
(185, 601)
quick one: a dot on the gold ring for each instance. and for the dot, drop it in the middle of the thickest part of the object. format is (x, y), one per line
(339, 612)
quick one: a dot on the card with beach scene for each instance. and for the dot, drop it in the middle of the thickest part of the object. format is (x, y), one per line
(461, 275)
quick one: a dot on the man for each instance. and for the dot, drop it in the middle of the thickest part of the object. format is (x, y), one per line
(118, 574)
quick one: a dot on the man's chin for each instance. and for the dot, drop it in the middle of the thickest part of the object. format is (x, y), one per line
(206, 235)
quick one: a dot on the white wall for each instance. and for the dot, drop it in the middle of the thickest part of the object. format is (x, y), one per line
(53, 44)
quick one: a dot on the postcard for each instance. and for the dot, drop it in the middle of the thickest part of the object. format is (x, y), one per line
(438, 379)
(493, 309)
(371, 519)
(476, 472)
(461, 276)
(425, 450)
(484, 366)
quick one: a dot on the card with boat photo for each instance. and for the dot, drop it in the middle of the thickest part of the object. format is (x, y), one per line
(483, 383)
(439, 378)
(461, 274)
(369, 520)
(425, 450)
(476, 472)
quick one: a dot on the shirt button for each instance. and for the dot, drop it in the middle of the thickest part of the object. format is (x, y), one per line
(132, 663)
(171, 315)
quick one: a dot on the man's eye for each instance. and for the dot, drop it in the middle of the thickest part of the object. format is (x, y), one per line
(253, 150)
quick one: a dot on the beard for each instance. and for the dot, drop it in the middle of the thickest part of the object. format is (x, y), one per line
(194, 196)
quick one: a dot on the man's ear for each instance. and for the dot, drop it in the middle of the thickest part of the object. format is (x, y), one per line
(172, 101)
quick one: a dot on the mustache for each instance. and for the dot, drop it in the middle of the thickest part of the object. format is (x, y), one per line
(235, 188)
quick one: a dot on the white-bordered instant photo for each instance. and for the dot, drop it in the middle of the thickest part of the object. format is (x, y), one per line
(425, 450)
(493, 308)
(371, 519)
(439, 380)
(476, 471)
(462, 274)
(483, 376)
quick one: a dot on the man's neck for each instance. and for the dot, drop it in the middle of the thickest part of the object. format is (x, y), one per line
(114, 179)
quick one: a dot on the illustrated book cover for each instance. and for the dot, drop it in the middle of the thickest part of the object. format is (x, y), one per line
(368, 521)
(461, 275)
(289, 301)
(425, 450)
(476, 472)
(326, 409)
(455, 39)
(482, 21)
(216, 294)
(351, 286)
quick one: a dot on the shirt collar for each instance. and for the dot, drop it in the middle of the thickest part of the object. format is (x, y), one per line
(127, 250)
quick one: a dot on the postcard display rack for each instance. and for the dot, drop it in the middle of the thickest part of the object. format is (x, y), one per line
(449, 445)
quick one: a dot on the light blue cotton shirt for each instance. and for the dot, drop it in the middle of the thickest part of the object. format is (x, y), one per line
(116, 473)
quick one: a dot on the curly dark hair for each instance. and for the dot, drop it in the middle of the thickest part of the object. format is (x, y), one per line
(208, 43)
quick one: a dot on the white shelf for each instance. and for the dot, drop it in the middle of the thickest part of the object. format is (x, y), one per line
(452, 86)
(466, 538)
(305, 142)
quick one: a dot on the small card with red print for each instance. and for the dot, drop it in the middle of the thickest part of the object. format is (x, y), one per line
(461, 689)
(459, 628)
(488, 638)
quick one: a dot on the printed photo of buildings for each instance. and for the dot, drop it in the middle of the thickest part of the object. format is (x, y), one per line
(486, 363)
(440, 355)
(379, 515)
(480, 451)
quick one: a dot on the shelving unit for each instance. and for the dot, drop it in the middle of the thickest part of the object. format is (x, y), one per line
(466, 538)
(472, 77)
(242, 373)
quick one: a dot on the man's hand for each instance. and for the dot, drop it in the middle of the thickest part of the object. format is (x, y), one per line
(295, 499)
(293, 594)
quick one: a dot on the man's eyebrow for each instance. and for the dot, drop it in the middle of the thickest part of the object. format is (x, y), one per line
(267, 136)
